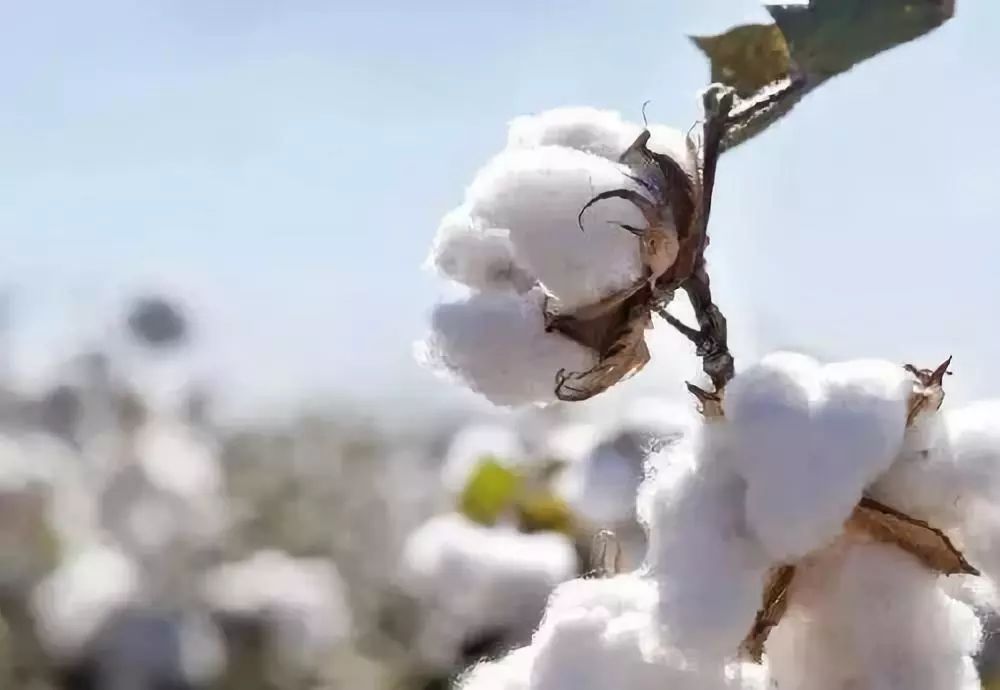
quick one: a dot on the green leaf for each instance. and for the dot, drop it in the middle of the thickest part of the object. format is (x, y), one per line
(746, 57)
(490, 491)
(828, 37)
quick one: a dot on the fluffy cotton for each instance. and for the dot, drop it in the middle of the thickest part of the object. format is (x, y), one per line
(301, 600)
(537, 195)
(601, 132)
(472, 445)
(480, 257)
(950, 461)
(73, 603)
(470, 580)
(808, 439)
(869, 615)
(709, 567)
(597, 635)
(496, 344)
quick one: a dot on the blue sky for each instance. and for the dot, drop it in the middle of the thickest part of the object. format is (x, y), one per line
(282, 166)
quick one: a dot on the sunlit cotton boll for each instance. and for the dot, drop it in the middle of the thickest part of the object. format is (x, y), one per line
(496, 344)
(471, 581)
(301, 601)
(480, 257)
(950, 462)
(808, 440)
(537, 195)
(708, 566)
(870, 615)
(598, 634)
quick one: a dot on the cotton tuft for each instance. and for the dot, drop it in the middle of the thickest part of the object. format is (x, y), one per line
(496, 344)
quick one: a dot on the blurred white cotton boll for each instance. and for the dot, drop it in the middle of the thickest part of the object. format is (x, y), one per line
(73, 602)
(470, 580)
(600, 132)
(302, 600)
(870, 615)
(497, 345)
(511, 672)
(601, 488)
(479, 257)
(571, 443)
(475, 443)
(537, 195)
(808, 440)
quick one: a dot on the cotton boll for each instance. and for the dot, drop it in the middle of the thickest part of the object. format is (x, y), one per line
(475, 443)
(537, 195)
(808, 440)
(950, 460)
(471, 580)
(600, 132)
(870, 615)
(481, 258)
(301, 600)
(497, 345)
(709, 569)
(598, 634)
(80, 596)
(571, 443)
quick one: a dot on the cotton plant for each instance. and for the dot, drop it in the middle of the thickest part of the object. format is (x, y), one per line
(822, 525)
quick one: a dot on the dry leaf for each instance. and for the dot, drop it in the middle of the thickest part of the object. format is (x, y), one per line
(747, 57)
(928, 391)
(929, 545)
(775, 602)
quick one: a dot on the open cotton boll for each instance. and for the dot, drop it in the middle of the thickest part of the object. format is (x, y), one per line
(472, 445)
(808, 440)
(537, 195)
(571, 443)
(709, 568)
(471, 580)
(598, 634)
(870, 615)
(301, 600)
(949, 460)
(600, 132)
(481, 258)
(496, 344)
(80, 596)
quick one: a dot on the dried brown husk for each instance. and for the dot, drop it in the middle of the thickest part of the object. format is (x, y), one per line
(614, 328)
(774, 605)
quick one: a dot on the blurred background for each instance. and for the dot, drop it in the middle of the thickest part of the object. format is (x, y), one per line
(220, 466)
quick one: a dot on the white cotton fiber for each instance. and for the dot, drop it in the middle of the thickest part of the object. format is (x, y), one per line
(600, 132)
(808, 439)
(866, 615)
(537, 195)
(598, 635)
(471, 580)
(709, 568)
(496, 344)
(472, 445)
(479, 257)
